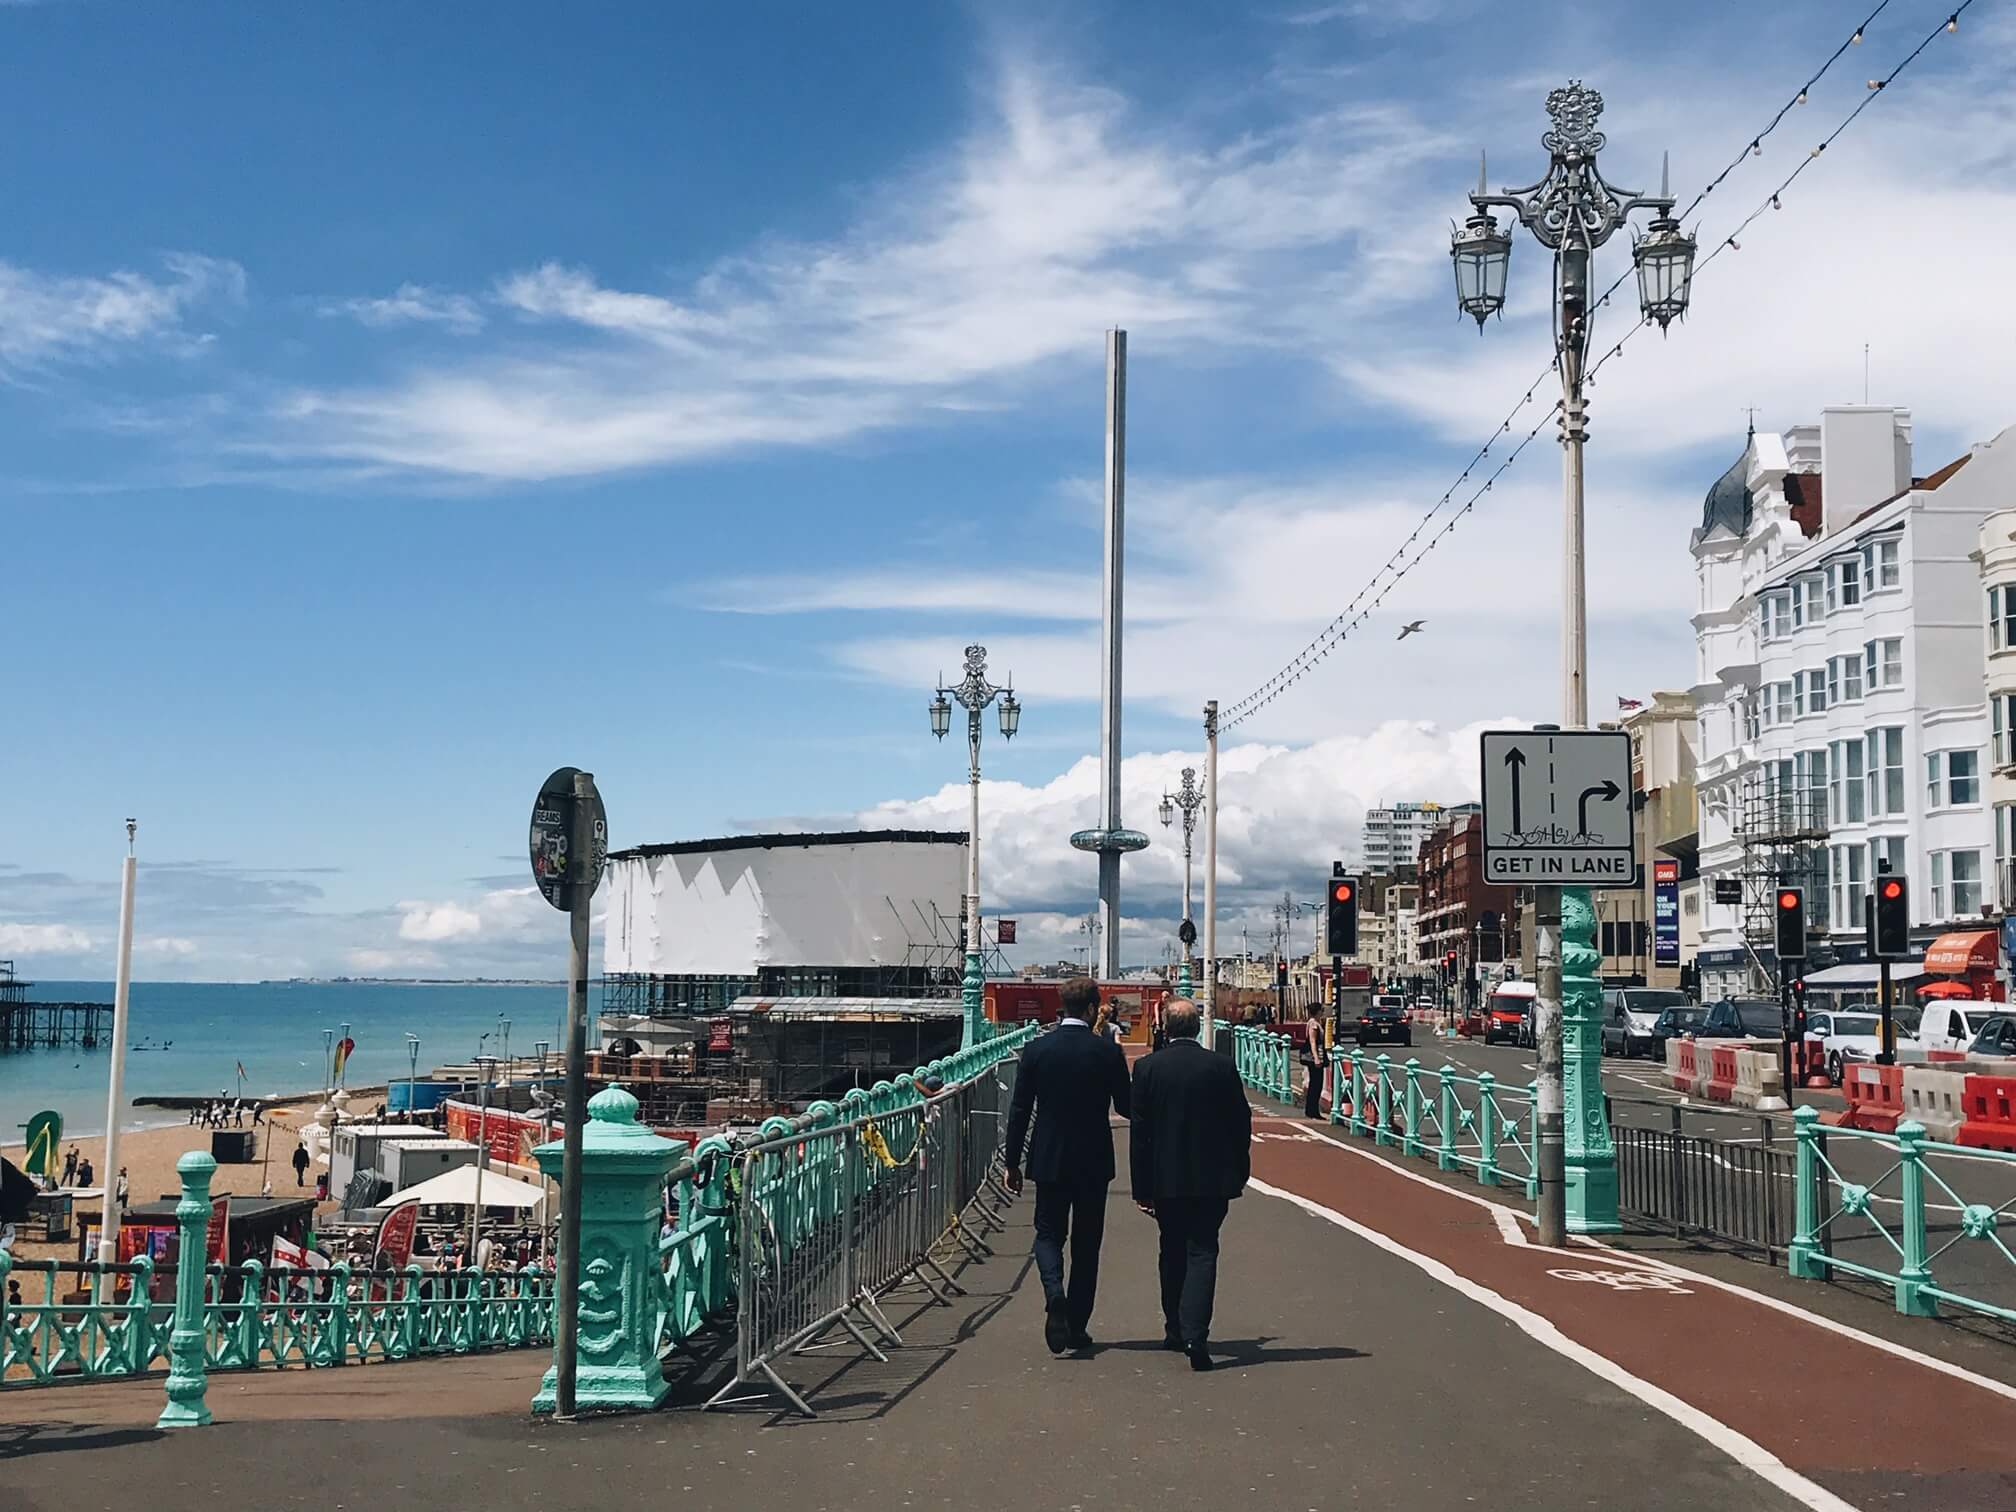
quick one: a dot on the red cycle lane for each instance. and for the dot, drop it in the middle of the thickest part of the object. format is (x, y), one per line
(1835, 1406)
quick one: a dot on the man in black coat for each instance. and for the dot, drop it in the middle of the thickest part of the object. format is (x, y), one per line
(1192, 1138)
(1071, 1079)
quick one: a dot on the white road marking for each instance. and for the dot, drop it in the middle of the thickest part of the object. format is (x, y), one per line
(1751, 1455)
(1633, 1280)
(1650, 1262)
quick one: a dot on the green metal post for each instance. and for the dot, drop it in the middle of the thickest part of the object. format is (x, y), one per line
(1445, 1157)
(1410, 1143)
(623, 1170)
(1357, 1091)
(1385, 1064)
(1487, 1129)
(1338, 1101)
(186, 1384)
(1914, 1275)
(1590, 1159)
(1800, 1255)
(972, 994)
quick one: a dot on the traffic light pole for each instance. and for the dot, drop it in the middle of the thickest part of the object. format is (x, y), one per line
(1887, 1056)
(1553, 1152)
(1785, 1033)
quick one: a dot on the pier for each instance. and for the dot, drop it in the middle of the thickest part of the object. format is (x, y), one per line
(26, 1025)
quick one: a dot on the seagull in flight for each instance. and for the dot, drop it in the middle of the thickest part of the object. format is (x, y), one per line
(1410, 628)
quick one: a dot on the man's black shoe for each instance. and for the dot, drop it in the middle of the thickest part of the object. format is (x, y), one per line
(1173, 1342)
(1057, 1325)
(1200, 1357)
(1081, 1339)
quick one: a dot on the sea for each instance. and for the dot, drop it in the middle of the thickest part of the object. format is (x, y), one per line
(192, 1038)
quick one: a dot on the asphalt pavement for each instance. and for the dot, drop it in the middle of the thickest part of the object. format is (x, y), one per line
(1349, 1376)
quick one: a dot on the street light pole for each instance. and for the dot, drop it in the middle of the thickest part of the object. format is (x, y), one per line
(1572, 211)
(1210, 1027)
(974, 693)
(1188, 797)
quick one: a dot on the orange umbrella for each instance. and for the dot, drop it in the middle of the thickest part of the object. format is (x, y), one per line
(1946, 990)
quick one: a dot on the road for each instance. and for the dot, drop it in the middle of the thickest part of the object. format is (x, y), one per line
(1642, 1097)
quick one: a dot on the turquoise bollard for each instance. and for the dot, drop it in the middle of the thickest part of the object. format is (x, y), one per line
(623, 1170)
(186, 1383)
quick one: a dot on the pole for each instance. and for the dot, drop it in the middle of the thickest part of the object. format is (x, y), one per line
(1784, 1031)
(1112, 572)
(412, 1075)
(482, 1160)
(567, 1282)
(973, 986)
(1553, 1206)
(1887, 1056)
(108, 1214)
(1210, 1035)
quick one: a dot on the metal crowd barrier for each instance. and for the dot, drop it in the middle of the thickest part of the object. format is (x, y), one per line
(835, 1212)
(1698, 1184)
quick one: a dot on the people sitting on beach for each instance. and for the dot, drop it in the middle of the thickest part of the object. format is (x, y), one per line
(85, 1175)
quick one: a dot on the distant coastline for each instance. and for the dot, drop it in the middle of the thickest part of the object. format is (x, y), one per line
(366, 981)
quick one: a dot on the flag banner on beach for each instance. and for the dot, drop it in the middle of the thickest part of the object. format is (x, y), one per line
(220, 1230)
(395, 1235)
(45, 1133)
(241, 1071)
(343, 1048)
(287, 1253)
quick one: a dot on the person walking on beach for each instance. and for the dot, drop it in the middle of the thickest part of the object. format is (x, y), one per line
(120, 1188)
(1069, 1079)
(300, 1165)
(70, 1167)
(1191, 1154)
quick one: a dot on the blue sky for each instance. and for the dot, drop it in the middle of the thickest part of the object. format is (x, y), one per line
(402, 401)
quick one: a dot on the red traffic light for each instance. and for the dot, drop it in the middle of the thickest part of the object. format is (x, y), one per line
(1893, 889)
(1341, 892)
(1788, 900)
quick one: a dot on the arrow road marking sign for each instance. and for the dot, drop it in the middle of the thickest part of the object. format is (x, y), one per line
(1557, 808)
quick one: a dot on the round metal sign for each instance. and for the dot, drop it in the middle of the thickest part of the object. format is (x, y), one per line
(552, 822)
(1187, 932)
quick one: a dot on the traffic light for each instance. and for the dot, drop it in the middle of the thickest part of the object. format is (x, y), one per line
(1893, 917)
(1791, 917)
(1280, 973)
(1341, 923)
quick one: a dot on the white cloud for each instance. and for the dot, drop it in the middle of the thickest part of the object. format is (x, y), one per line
(175, 946)
(43, 939)
(412, 304)
(46, 318)
(439, 921)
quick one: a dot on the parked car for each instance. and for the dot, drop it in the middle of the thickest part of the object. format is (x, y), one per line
(1997, 1036)
(1506, 1010)
(1743, 1018)
(1952, 1026)
(1386, 1021)
(1682, 1021)
(1845, 1038)
(1629, 1014)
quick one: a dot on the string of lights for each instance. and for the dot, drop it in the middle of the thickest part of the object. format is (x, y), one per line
(1399, 564)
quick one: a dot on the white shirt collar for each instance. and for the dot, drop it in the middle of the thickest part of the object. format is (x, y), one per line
(1081, 1023)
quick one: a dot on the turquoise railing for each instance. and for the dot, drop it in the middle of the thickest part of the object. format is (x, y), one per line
(116, 1330)
(1265, 1060)
(1832, 1211)
(1459, 1121)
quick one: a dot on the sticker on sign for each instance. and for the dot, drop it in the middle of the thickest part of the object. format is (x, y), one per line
(1557, 808)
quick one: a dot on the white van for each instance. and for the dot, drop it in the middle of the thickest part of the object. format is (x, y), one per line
(1952, 1026)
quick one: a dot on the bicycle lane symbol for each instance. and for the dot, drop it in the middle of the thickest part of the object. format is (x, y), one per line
(1626, 1281)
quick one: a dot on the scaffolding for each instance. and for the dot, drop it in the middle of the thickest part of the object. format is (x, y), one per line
(1781, 825)
(933, 967)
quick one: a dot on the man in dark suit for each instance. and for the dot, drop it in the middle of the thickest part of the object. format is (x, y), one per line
(1070, 1078)
(1192, 1138)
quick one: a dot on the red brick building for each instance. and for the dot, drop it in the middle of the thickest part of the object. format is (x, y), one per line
(1458, 911)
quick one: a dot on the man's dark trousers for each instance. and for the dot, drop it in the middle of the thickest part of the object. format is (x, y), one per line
(1079, 1213)
(1189, 1263)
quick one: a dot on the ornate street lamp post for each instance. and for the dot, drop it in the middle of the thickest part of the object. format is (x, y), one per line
(974, 693)
(1189, 798)
(1572, 211)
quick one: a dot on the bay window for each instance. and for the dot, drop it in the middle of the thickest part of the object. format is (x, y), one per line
(1879, 564)
(1883, 767)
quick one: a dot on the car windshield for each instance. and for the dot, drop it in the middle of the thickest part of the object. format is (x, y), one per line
(1509, 1004)
(1684, 1018)
(1854, 1023)
(1653, 1000)
(1976, 1022)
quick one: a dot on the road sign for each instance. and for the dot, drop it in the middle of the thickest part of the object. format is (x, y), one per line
(552, 816)
(1557, 808)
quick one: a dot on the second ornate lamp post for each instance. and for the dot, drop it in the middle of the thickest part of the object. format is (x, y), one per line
(1572, 212)
(1189, 798)
(974, 693)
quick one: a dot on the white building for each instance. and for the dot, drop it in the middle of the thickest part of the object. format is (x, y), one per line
(1997, 557)
(1393, 835)
(1843, 722)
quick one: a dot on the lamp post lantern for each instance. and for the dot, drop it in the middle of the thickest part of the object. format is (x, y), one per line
(1571, 211)
(974, 693)
(1188, 798)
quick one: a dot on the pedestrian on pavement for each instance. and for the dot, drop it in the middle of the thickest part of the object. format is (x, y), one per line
(1315, 1056)
(300, 1164)
(120, 1188)
(1070, 1079)
(70, 1167)
(1192, 1152)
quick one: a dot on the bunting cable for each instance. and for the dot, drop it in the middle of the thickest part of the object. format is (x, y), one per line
(1353, 615)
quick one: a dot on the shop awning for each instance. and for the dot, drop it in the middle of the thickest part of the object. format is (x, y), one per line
(1863, 974)
(1961, 953)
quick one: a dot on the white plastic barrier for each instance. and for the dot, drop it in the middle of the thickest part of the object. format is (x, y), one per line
(1759, 1082)
(1933, 1098)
